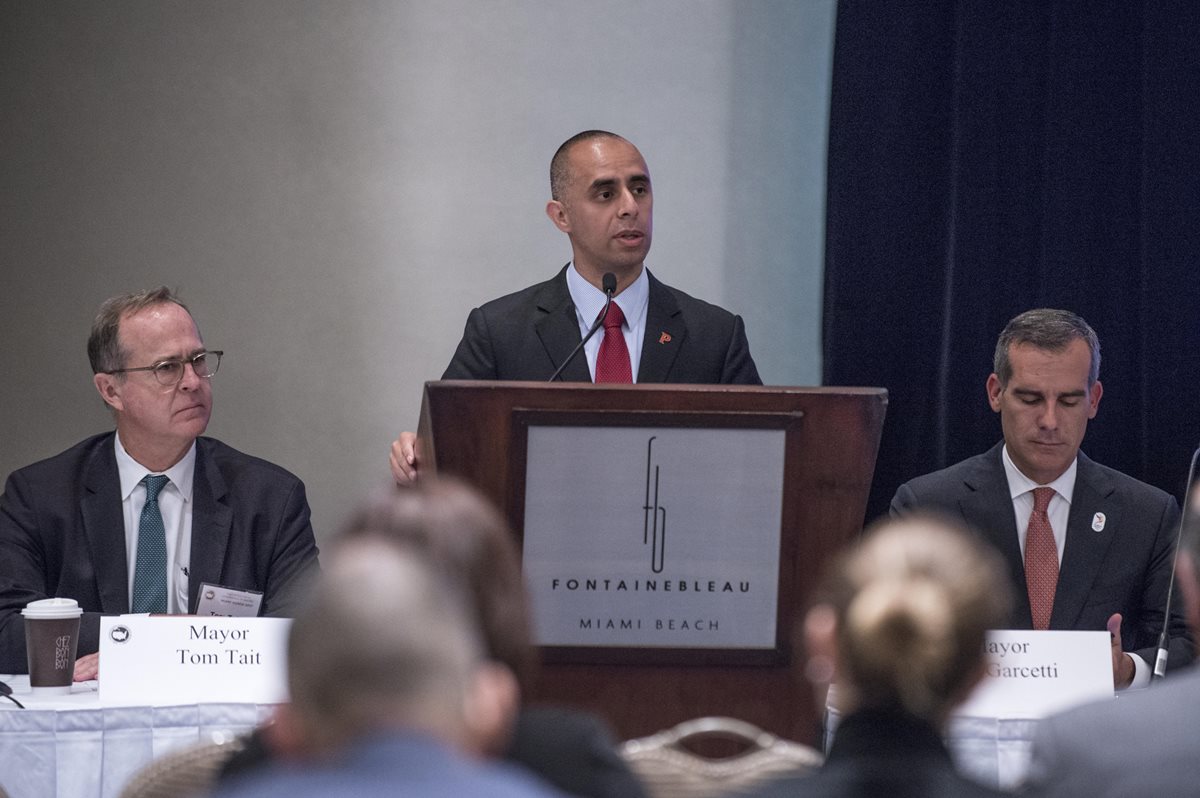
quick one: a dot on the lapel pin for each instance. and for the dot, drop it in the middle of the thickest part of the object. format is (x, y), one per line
(1098, 522)
(664, 338)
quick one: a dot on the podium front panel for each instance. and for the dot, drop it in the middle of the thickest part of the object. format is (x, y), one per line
(653, 537)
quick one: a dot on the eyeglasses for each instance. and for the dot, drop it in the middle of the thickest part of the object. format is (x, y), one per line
(170, 372)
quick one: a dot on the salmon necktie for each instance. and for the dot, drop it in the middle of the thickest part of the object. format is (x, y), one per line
(1041, 560)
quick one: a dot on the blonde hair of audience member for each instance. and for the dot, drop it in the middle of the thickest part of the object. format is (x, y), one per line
(903, 619)
(387, 643)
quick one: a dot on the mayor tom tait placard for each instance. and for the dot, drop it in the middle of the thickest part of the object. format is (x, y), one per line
(186, 659)
(654, 537)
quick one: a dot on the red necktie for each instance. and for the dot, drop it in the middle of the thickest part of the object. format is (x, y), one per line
(1041, 560)
(612, 364)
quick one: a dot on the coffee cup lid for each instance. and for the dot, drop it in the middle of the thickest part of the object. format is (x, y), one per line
(53, 608)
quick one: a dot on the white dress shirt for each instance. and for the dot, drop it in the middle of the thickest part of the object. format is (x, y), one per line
(1020, 488)
(589, 301)
(175, 504)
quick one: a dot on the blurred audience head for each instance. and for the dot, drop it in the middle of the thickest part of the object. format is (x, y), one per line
(421, 622)
(387, 642)
(902, 618)
(454, 526)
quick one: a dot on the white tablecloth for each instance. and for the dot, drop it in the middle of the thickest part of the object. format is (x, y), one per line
(74, 747)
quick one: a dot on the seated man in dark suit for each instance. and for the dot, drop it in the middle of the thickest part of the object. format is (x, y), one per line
(602, 199)
(135, 520)
(1042, 502)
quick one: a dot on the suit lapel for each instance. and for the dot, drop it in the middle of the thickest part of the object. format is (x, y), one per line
(211, 524)
(988, 507)
(665, 333)
(104, 528)
(558, 329)
(1086, 547)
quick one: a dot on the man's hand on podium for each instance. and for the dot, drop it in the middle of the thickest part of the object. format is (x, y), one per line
(403, 459)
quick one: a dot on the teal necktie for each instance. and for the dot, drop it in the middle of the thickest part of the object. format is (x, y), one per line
(150, 571)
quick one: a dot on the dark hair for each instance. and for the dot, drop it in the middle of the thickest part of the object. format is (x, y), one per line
(104, 342)
(1049, 329)
(462, 533)
(560, 176)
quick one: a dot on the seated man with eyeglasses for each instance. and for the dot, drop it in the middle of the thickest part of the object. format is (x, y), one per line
(137, 519)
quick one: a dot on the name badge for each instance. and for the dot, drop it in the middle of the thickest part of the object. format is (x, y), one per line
(227, 602)
(189, 659)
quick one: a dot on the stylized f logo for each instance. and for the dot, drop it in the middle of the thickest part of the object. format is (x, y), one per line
(654, 531)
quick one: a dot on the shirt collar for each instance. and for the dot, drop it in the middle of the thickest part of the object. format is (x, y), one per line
(589, 300)
(1018, 483)
(131, 471)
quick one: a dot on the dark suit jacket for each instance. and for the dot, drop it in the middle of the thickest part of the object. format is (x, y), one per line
(1142, 743)
(880, 753)
(62, 533)
(573, 751)
(1125, 567)
(527, 335)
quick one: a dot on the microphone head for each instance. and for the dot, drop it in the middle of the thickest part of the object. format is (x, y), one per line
(609, 283)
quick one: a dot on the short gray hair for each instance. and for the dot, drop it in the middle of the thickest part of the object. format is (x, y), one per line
(386, 641)
(458, 529)
(1049, 329)
(104, 342)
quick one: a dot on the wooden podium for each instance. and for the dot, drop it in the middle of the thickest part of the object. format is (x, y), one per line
(827, 440)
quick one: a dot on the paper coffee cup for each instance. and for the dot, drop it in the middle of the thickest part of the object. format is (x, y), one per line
(51, 641)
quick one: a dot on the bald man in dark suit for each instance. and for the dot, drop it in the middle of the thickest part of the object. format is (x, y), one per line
(601, 198)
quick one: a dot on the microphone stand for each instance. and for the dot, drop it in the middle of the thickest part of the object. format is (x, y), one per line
(1160, 660)
(609, 283)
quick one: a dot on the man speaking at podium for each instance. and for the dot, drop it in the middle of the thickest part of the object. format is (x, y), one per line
(136, 520)
(1042, 502)
(601, 197)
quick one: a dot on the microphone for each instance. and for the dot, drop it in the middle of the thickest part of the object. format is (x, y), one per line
(609, 284)
(1160, 659)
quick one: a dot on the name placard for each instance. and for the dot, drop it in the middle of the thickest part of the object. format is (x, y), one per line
(193, 659)
(1031, 674)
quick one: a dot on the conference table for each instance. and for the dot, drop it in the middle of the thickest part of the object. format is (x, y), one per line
(74, 746)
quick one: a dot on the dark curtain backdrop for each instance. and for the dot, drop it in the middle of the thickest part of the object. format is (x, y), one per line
(990, 157)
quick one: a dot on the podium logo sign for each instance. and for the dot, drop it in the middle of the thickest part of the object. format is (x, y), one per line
(654, 525)
(660, 537)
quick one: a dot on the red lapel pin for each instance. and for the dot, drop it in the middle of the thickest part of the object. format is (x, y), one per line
(664, 338)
